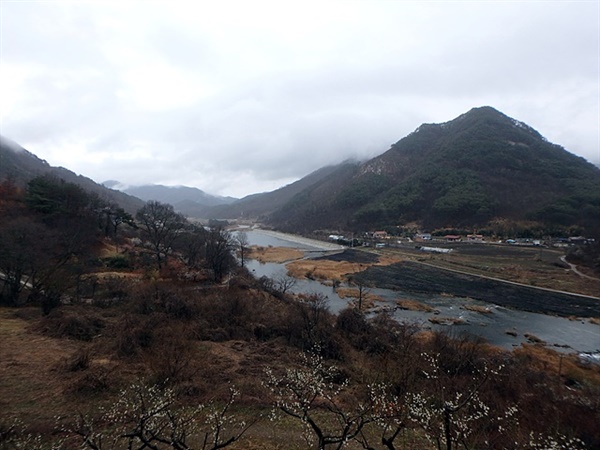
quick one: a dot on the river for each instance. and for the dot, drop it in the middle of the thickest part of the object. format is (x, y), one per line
(503, 327)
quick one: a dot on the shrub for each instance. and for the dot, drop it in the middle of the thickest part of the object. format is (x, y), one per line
(117, 262)
(80, 360)
(76, 324)
(93, 381)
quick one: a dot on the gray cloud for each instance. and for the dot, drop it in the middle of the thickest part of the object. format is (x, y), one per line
(236, 98)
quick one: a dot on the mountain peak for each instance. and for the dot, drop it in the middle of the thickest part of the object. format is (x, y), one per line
(467, 172)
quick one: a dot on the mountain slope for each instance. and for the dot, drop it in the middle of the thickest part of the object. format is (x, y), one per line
(21, 166)
(257, 206)
(478, 167)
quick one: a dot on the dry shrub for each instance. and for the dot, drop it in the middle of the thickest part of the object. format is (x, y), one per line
(355, 328)
(116, 288)
(352, 322)
(164, 298)
(459, 355)
(79, 360)
(171, 357)
(93, 381)
(144, 298)
(238, 313)
(133, 333)
(178, 305)
(74, 323)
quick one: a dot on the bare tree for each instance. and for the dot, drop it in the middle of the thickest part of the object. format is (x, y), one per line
(148, 417)
(219, 257)
(161, 225)
(20, 240)
(361, 286)
(311, 395)
(451, 411)
(241, 239)
(284, 282)
(191, 244)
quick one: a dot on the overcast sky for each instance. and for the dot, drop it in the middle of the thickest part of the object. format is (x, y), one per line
(238, 97)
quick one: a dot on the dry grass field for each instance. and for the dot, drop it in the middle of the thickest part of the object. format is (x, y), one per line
(274, 254)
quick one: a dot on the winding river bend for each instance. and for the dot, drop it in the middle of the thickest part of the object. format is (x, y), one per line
(504, 327)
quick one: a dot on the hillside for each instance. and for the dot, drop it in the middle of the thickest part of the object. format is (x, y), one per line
(259, 206)
(480, 167)
(21, 166)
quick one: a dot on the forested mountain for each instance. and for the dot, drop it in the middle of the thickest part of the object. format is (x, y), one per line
(21, 166)
(479, 168)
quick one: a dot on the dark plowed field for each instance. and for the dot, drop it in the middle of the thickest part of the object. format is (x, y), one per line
(353, 256)
(419, 278)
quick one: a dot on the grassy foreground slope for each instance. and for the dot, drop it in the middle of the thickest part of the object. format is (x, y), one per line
(199, 343)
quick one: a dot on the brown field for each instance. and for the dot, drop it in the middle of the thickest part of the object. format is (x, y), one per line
(337, 267)
(322, 269)
(274, 254)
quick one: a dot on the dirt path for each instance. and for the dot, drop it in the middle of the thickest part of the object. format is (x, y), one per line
(574, 269)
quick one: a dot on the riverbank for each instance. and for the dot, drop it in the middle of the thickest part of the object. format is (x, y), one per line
(301, 240)
(412, 291)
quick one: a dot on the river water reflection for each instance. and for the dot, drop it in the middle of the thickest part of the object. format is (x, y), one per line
(503, 327)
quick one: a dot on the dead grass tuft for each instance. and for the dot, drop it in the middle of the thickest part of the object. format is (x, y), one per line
(478, 308)
(413, 305)
(533, 338)
(549, 360)
(446, 320)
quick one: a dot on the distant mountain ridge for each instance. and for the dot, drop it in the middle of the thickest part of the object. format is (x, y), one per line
(190, 201)
(20, 165)
(481, 167)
